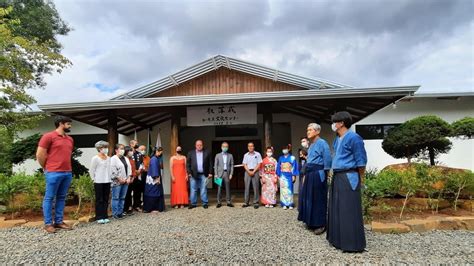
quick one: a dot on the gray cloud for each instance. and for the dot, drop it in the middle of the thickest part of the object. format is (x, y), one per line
(361, 43)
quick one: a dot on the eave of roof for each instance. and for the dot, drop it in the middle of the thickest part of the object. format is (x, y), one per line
(231, 98)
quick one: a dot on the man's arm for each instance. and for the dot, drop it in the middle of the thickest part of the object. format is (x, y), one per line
(188, 163)
(231, 166)
(41, 156)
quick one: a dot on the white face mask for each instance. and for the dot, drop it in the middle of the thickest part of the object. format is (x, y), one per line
(121, 152)
(333, 127)
(143, 152)
(269, 154)
(285, 151)
(304, 144)
(104, 151)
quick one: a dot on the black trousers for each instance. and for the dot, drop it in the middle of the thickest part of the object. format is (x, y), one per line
(102, 194)
(134, 194)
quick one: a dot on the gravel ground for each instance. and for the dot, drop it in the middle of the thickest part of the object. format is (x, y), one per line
(225, 235)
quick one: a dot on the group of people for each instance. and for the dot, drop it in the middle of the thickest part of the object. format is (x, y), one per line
(136, 182)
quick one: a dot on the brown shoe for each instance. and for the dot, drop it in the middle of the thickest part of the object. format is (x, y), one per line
(63, 226)
(49, 229)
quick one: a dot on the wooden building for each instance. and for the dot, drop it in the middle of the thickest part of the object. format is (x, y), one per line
(226, 99)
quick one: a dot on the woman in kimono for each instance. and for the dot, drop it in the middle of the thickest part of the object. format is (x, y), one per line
(153, 196)
(313, 206)
(269, 179)
(345, 229)
(287, 171)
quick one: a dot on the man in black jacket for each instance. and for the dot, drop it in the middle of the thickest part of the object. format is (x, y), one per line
(199, 167)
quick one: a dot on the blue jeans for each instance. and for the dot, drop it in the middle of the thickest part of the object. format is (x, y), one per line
(196, 183)
(57, 185)
(118, 199)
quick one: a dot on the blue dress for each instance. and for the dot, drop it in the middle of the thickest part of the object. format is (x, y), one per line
(153, 196)
(287, 167)
(345, 229)
(313, 206)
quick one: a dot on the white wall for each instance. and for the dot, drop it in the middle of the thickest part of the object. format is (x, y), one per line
(462, 152)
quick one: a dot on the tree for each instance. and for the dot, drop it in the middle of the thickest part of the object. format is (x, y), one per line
(29, 50)
(417, 137)
(463, 128)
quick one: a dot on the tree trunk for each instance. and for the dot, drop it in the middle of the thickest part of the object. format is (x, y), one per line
(457, 196)
(404, 204)
(432, 156)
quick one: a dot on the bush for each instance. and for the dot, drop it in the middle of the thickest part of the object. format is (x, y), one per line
(460, 181)
(12, 186)
(83, 187)
(463, 128)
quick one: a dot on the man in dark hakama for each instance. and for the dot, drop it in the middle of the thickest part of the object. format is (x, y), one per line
(345, 229)
(313, 205)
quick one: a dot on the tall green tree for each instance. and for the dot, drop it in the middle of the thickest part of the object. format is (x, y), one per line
(29, 51)
(424, 135)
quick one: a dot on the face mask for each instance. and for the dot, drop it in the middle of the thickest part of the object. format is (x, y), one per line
(136, 146)
(67, 130)
(333, 127)
(179, 152)
(304, 144)
(121, 152)
(143, 152)
(285, 151)
(225, 149)
(269, 154)
(130, 154)
(104, 151)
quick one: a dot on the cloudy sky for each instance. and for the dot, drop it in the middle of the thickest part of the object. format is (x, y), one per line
(116, 46)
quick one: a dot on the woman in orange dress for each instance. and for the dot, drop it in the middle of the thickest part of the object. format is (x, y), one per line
(179, 180)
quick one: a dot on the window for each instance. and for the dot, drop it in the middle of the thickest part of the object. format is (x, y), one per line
(374, 131)
(87, 140)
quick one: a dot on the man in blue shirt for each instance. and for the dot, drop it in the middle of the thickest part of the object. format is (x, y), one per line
(345, 228)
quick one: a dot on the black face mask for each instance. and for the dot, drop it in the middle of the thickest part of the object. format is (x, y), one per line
(67, 130)
(179, 152)
(135, 147)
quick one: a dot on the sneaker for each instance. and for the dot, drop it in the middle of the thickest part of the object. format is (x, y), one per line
(106, 221)
(255, 206)
(101, 221)
(230, 205)
(284, 207)
(271, 206)
(291, 208)
(218, 205)
(267, 206)
(245, 205)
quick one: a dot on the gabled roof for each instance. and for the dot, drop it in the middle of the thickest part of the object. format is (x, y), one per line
(219, 61)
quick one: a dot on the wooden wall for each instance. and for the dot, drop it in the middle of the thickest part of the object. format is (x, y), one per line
(224, 81)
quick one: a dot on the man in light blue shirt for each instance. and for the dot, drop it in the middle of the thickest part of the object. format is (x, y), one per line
(251, 162)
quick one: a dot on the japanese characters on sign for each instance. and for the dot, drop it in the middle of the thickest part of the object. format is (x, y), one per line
(220, 115)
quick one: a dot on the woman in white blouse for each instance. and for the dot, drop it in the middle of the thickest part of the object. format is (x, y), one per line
(100, 174)
(121, 175)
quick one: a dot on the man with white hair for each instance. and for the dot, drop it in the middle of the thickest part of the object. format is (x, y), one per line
(313, 205)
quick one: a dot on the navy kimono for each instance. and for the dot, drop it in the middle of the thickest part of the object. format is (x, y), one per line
(313, 205)
(153, 196)
(345, 228)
